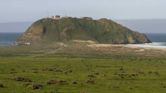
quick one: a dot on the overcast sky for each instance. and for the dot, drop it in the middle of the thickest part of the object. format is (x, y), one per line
(30, 10)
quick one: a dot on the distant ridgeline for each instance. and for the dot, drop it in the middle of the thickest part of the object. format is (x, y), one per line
(64, 29)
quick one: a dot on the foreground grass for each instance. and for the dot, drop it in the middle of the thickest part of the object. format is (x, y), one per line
(82, 74)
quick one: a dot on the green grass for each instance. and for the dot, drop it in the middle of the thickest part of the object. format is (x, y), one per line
(110, 74)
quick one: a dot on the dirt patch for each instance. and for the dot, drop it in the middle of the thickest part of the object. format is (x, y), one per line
(36, 86)
(22, 79)
(90, 81)
(50, 82)
(33, 86)
(2, 86)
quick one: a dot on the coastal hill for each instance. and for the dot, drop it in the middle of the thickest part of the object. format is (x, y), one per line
(64, 29)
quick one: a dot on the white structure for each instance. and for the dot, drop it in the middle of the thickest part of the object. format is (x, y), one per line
(57, 17)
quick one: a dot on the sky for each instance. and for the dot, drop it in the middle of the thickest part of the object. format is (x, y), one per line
(29, 10)
(32, 10)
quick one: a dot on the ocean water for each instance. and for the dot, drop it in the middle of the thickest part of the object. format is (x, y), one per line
(7, 39)
(158, 40)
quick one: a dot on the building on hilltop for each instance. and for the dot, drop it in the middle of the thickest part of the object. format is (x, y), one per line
(57, 17)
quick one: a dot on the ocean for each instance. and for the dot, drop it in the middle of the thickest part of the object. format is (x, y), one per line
(157, 39)
(7, 39)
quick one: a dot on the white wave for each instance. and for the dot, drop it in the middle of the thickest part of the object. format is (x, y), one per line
(149, 45)
(158, 44)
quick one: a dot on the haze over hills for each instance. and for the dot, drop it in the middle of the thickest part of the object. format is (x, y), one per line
(67, 29)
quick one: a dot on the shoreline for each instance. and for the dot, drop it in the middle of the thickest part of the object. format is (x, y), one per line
(153, 45)
(137, 46)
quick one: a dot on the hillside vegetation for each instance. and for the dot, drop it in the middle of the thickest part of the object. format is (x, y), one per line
(67, 29)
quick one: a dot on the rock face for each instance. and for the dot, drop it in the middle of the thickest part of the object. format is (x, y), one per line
(67, 29)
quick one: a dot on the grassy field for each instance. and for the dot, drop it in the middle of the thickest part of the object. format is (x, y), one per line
(81, 74)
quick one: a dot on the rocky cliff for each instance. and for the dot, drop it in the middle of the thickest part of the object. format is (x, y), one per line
(66, 29)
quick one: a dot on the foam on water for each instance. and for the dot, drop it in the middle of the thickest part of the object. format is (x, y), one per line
(158, 44)
(149, 45)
